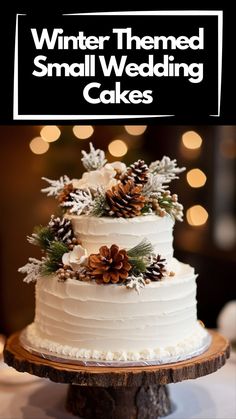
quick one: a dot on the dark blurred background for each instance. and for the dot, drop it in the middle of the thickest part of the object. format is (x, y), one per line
(206, 239)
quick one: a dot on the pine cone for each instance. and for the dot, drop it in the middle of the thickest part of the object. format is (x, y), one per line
(64, 195)
(125, 200)
(109, 265)
(156, 270)
(62, 230)
(138, 172)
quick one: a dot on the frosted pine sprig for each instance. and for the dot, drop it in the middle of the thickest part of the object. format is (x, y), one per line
(135, 282)
(42, 237)
(154, 184)
(81, 203)
(99, 204)
(32, 269)
(138, 256)
(144, 248)
(56, 186)
(166, 167)
(93, 160)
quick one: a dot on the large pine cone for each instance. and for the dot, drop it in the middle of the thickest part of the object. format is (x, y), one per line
(109, 265)
(125, 200)
(138, 172)
(157, 269)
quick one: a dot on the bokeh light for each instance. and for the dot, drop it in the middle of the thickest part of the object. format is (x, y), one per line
(135, 129)
(196, 215)
(117, 148)
(191, 140)
(83, 131)
(196, 178)
(50, 133)
(38, 145)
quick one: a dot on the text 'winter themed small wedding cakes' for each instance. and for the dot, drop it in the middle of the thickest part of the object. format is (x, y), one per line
(107, 286)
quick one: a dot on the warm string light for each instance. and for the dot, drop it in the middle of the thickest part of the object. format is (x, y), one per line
(191, 140)
(50, 133)
(135, 129)
(83, 131)
(38, 145)
(196, 215)
(196, 178)
(117, 148)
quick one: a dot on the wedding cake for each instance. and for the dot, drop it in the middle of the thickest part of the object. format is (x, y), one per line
(107, 286)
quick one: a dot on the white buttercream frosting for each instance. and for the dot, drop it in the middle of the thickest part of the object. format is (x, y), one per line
(125, 232)
(110, 322)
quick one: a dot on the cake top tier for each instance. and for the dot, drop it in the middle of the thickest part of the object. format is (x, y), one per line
(115, 190)
(125, 232)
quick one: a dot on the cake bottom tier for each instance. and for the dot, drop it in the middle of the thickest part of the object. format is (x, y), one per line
(194, 345)
(84, 320)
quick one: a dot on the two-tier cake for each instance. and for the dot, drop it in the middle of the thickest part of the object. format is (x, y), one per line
(108, 287)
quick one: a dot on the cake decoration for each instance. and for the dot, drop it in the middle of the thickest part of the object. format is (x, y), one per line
(105, 190)
(125, 200)
(112, 189)
(64, 255)
(109, 265)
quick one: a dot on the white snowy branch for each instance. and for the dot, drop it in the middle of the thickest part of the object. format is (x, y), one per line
(154, 184)
(166, 167)
(56, 186)
(177, 211)
(93, 160)
(33, 239)
(32, 269)
(82, 202)
(135, 282)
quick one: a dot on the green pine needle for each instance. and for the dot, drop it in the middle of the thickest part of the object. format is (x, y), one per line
(54, 257)
(99, 206)
(166, 203)
(146, 209)
(49, 267)
(144, 248)
(56, 251)
(42, 237)
(138, 256)
(138, 265)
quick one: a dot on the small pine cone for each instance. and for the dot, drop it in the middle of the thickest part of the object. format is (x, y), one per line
(156, 270)
(138, 172)
(64, 195)
(109, 265)
(62, 229)
(125, 200)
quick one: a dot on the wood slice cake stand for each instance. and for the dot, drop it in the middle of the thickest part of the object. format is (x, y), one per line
(118, 392)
